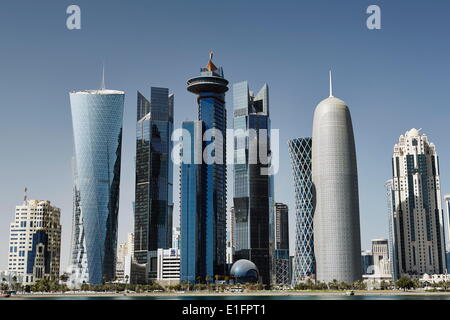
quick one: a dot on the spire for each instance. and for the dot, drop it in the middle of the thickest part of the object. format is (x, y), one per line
(210, 66)
(331, 85)
(103, 86)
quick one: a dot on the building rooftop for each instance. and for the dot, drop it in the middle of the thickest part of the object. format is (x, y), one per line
(100, 91)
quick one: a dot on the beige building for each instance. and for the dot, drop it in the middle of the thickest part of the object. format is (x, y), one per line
(380, 254)
(35, 241)
(124, 250)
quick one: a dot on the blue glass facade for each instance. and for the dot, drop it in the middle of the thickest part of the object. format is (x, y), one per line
(192, 220)
(97, 127)
(253, 195)
(210, 88)
(154, 175)
(300, 151)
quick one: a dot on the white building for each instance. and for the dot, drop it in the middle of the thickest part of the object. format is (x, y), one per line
(417, 220)
(434, 278)
(380, 254)
(176, 235)
(447, 222)
(168, 269)
(231, 237)
(35, 241)
(125, 249)
(10, 277)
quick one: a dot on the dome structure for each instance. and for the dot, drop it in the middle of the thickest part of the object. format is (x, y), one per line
(245, 271)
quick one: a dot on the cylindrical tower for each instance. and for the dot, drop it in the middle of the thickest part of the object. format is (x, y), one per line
(97, 128)
(337, 243)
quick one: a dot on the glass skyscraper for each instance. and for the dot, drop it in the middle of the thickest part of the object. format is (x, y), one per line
(97, 127)
(300, 151)
(209, 194)
(193, 213)
(253, 191)
(154, 178)
(392, 235)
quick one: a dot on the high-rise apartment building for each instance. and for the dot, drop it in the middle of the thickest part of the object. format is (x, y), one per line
(300, 151)
(153, 204)
(418, 224)
(337, 238)
(35, 241)
(253, 189)
(203, 183)
(97, 128)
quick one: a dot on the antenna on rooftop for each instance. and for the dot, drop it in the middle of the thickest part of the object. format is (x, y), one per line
(103, 86)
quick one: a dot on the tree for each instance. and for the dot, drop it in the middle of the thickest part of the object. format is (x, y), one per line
(405, 283)
(64, 277)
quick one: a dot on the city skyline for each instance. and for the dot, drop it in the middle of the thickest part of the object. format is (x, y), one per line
(391, 101)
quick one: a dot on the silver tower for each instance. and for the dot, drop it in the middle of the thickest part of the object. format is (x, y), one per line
(337, 243)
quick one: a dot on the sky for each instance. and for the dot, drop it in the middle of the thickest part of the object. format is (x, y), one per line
(393, 79)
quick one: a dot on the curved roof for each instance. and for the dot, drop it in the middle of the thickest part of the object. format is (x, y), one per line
(102, 91)
(333, 101)
(241, 267)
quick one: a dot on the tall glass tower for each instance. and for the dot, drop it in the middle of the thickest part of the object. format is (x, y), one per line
(193, 213)
(210, 88)
(300, 151)
(253, 196)
(154, 177)
(393, 238)
(97, 127)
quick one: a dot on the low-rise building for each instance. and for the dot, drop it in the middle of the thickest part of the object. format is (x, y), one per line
(168, 268)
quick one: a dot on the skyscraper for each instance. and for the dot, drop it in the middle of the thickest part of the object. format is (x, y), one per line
(393, 237)
(300, 151)
(193, 214)
(154, 177)
(280, 258)
(281, 226)
(447, 229)
(35, 241)
(337, 239)
(97, 127)
(418, 216)
(253, 195)
(210, 88)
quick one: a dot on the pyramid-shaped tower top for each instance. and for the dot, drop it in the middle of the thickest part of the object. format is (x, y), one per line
(211, 66)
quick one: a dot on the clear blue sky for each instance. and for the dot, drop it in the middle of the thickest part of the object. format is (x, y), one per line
(393, 79)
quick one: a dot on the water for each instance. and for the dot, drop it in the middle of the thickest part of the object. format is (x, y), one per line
(251, 297)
